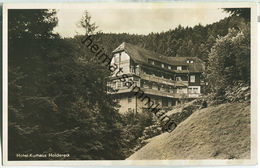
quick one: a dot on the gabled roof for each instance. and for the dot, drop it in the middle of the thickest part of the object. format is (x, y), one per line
(141, 55)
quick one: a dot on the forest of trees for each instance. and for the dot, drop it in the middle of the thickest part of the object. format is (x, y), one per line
(57, 92)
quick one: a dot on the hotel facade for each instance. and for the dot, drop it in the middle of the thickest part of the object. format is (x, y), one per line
(168, 81)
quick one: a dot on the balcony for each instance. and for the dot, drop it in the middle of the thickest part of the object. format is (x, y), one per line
(163, 80)
(147, 92)
(161, 93)
(194, 95)
(120, 90)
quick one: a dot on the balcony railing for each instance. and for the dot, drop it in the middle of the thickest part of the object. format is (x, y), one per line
(118, 91)
(163, 80)
(156, 92)
(161, 93)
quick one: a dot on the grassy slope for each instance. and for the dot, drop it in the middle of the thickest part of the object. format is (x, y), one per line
(217, 132)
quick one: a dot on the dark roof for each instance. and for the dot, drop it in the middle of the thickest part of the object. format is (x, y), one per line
(141, 55)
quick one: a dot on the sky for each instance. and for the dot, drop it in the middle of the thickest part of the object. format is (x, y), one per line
(136, 20)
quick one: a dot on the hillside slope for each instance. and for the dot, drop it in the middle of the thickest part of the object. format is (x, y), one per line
(216, 132)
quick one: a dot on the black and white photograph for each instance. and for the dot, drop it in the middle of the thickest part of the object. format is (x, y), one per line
(151, 83)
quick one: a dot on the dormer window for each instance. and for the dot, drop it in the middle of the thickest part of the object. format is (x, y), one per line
(162, 65)
(151, 61)
(189, 61)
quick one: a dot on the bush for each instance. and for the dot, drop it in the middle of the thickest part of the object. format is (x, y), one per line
(133, 125)
(229, 62)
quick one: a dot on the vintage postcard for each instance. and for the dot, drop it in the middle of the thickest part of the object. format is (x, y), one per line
(129, 83)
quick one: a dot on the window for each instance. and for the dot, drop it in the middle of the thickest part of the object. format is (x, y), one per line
(182, 90)
(119, 85)
(173, 102)
(141, 84)
(169, 103)
(167, 76)
(113, 85)
(184, 68)
(164, 102)
(189, 61)
(162, 65)
(179, 68)
(146, 85)
(135, 83)
(129, 99)
(150, 86)
(151, 61)
(163, 88)
(192, 78)
(132, 69)
(168, 89)
(178, 78)
(159, 64)
(154, 86)
(195, 90)
(156, 101)
(169, 67)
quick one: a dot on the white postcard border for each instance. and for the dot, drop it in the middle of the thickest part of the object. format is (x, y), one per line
(70, 5)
